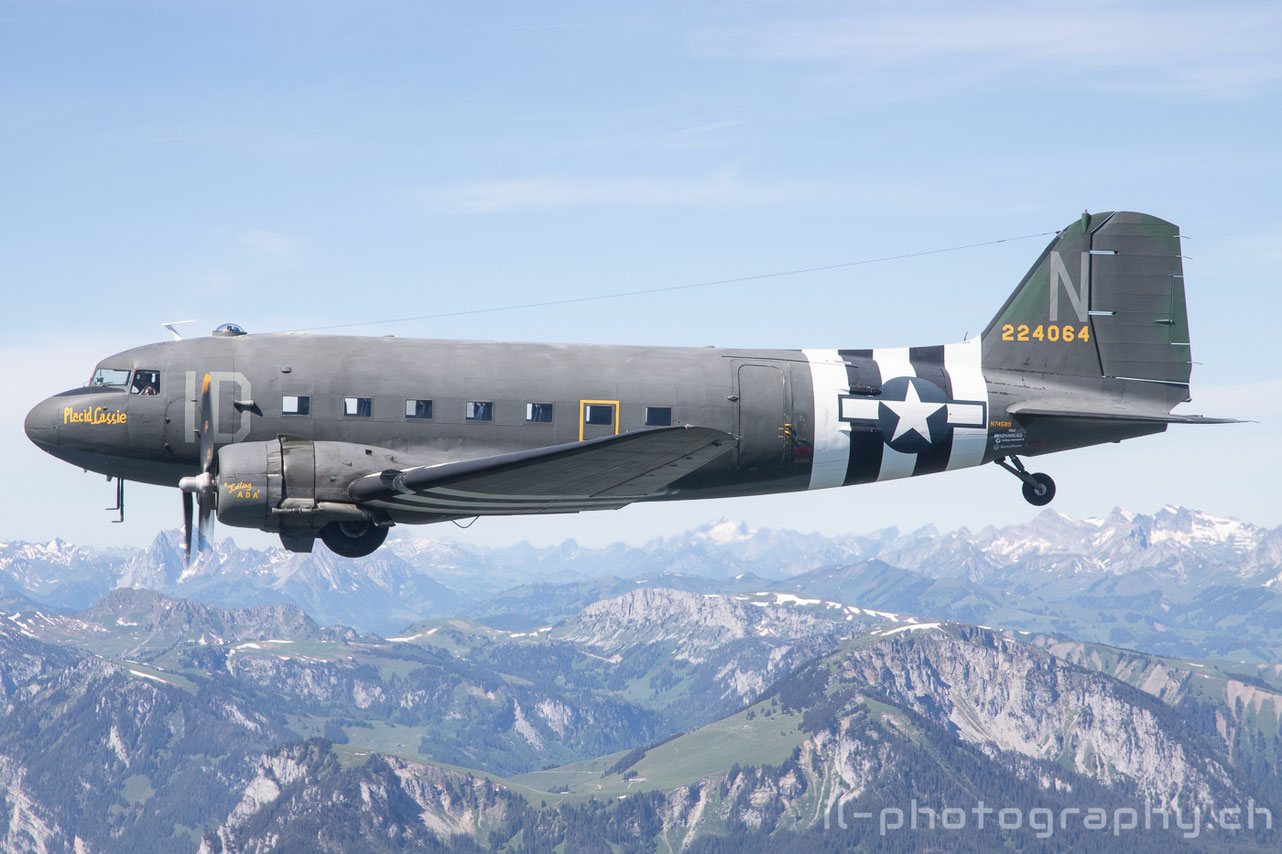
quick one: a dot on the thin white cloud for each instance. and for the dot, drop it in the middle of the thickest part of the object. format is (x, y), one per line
(542, 193)
(704, 130)
(269, 242)
(1208, 50)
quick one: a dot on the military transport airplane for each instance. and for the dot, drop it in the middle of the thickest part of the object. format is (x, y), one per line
(341, 437)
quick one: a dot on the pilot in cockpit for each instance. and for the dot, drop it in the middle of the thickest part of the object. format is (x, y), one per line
(146, 382)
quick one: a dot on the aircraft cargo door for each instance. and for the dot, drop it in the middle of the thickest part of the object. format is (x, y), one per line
(763, 412)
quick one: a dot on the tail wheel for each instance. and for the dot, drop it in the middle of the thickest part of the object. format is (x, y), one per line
(353, 539)
(1040, 493)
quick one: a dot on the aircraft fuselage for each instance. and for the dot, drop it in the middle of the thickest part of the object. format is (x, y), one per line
(310, 431)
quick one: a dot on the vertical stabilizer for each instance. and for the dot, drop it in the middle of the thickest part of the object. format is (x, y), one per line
(1106, 299)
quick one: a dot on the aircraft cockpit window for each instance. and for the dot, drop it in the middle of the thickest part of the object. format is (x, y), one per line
(541, 412)
(145, 382)
(658, 416)
(358, 407)
(418, 408)
(295, 404)
(480, 410)
(110, 376)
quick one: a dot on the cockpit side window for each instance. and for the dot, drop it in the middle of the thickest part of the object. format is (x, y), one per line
(145, 382)
(110, 376)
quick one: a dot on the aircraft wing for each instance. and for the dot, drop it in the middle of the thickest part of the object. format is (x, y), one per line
(597, 474)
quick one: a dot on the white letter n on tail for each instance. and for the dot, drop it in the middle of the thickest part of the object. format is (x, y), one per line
(1077, 296)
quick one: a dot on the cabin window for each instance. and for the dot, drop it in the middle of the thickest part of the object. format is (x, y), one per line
(658, 416)
(295, 404)
(480, 410)
(600, 414)
(358, 407)
(540, 412)
(109, 376)
(417, 408)
(145, 382)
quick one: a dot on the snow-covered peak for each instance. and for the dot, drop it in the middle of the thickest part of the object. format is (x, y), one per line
(724, 532)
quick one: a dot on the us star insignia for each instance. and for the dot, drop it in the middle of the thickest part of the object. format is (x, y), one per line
(913, 415)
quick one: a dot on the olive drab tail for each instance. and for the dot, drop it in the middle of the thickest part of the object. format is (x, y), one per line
(1105, 300)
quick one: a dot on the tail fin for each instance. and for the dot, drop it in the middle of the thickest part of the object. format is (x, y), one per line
(1106, 299)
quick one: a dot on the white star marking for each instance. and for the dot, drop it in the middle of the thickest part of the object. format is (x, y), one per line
(912, 413)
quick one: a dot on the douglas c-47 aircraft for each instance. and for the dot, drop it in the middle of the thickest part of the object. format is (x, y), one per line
(342, 437)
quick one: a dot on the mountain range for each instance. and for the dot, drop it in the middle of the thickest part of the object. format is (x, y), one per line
(1179, 582)
(742, 690)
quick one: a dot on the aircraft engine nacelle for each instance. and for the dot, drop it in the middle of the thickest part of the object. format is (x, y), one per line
(248, 483)
(289, 484)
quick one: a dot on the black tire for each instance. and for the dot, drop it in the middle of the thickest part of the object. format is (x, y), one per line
(1041, 494)
(353, 539)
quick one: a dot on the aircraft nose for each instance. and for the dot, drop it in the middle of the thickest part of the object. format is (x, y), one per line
(41, 423)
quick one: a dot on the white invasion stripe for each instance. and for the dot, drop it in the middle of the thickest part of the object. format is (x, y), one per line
(828, 380)
(965, 366)
(859, 408)
(895, 363)
(896, 464)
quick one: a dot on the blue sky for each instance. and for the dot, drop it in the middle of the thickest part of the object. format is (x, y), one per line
(296, 165)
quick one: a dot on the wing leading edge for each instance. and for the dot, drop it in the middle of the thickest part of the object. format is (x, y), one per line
(597, 474)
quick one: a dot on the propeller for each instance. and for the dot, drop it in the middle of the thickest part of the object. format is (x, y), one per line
(187, 502)
(202, 485)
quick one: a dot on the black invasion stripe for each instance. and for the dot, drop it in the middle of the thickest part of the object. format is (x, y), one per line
(866, 445)
(928, 363)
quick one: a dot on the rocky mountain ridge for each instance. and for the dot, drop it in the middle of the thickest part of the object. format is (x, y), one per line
(825, 703)
(412, 578)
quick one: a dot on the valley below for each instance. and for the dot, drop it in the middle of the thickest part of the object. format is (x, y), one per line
(1061, 685)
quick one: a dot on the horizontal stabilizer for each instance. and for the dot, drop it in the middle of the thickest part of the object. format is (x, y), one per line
(1118, 415)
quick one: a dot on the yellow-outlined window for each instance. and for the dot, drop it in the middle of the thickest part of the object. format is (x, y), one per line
(583, 413)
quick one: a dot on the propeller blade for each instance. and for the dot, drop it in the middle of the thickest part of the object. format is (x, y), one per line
(206, 428)
(186, 528)
(205, 488)
(206, 517)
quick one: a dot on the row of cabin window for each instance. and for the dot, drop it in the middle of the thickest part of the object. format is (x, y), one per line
(478, 410)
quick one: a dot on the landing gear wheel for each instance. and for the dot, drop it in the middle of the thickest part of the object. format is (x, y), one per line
(1040, 493)
(353, 539)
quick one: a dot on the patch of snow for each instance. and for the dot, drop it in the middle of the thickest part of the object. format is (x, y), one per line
(909, 628)
(726, 532)
(151, 676)
(792, 599)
